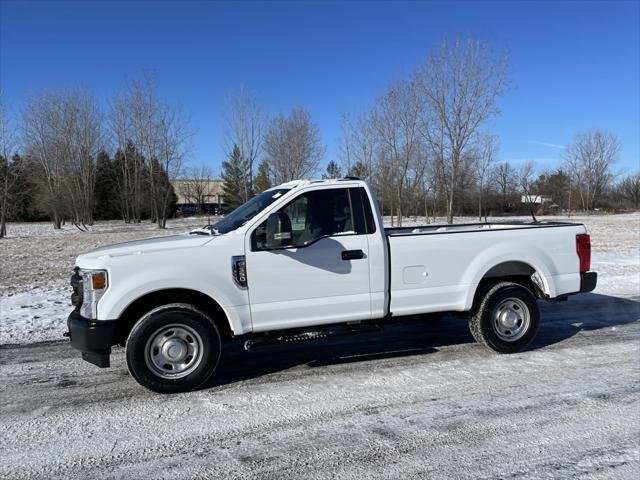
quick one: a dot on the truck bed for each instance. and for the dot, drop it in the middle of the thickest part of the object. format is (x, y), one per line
(433, 270)
(472, 227)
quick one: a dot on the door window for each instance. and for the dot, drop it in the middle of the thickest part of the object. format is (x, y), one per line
(316, 214)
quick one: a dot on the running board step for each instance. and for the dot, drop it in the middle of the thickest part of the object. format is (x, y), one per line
(305, 336)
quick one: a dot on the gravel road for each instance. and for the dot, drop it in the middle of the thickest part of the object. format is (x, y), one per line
(418, 400)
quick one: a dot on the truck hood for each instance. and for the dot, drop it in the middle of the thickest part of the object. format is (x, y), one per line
(148, 245)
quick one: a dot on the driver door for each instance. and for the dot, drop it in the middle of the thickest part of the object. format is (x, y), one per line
(322, 277)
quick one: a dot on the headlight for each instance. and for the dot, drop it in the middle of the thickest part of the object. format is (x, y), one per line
(94, 284)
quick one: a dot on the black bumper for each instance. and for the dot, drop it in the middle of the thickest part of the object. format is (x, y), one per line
(588, 281)
(93, 339)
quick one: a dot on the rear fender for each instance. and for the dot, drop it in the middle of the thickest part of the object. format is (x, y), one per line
(501, 253)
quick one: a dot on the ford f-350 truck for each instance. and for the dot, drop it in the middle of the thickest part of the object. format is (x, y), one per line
(307, 258)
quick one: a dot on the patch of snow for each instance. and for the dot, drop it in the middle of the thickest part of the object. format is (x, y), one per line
(36, 263)
(34, 316)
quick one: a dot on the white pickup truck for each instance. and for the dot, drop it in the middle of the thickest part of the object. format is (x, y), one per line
(309, 259)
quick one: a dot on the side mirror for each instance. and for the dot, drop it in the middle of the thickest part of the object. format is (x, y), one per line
(278, 230)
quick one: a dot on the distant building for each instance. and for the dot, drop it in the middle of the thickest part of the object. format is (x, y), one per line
(199, 196)
(536, 199)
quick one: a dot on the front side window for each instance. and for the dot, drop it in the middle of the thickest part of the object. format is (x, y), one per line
(316, 214)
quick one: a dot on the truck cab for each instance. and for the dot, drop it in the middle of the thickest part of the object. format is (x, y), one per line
(305, 257)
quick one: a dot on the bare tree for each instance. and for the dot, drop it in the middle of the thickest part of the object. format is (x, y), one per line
(145, 113)
(197, 186)
(486, 155)
(292, 146)
(358, 143)
(83, 128)
(153, 141)
(461, 83)
(505, 178)
(40, 127)
(173, 149)
(345, 143)
(525, 180)
(396, 119)
(589, 159)
(630, 189)
(130, 162)
(245, 129)
(7, 174)
(62, 134)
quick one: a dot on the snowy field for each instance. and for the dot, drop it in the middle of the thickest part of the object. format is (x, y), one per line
(36, 263)
(415, 401)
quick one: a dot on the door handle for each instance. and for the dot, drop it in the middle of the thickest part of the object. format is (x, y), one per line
(352, 254)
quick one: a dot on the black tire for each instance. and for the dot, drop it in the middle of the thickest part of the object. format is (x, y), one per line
(173, 328)
(506, 319)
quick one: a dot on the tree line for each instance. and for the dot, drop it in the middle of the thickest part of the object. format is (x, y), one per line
(423, 144)
(69, 161)
(424, 147)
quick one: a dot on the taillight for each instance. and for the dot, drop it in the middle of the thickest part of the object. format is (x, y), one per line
(583, 246)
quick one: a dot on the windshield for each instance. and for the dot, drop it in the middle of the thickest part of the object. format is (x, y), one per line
(247, 211)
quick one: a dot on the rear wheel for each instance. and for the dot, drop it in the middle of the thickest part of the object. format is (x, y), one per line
(173, 348)
(507, 318)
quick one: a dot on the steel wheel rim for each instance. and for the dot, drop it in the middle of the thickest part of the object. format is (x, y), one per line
(174, 351)
(511, 319)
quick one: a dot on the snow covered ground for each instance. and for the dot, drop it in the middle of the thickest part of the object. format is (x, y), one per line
(416, 400)
(35, 267)
(36, 263)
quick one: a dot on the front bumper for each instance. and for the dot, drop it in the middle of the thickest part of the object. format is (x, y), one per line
(93, 339)
(588, 281)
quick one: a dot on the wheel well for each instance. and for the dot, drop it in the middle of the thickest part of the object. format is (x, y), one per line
(515, 272)
(142, 305)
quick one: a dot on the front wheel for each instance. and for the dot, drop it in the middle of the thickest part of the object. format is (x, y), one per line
(507, 318)
(173, 348)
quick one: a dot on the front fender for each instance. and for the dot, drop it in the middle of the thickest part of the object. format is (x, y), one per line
(113, 304)
(205, 270)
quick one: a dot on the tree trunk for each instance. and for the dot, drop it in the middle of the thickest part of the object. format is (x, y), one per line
(57, 221)
(400, 213)
(391, 211)
(452, 185)
(480, 203)
(426, 210)
(3, 206)
(3, 216)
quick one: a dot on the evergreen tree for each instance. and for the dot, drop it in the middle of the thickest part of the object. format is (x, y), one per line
(234, 175)
(262, 182)
(333, 170)
(163, 190)
(107, 205)
(17, 192)
(25, 190)
(132, 174)
(360, 170)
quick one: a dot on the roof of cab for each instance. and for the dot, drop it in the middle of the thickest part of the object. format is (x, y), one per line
(301, 183)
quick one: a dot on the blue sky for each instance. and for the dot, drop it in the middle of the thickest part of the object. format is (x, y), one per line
(574, 65)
